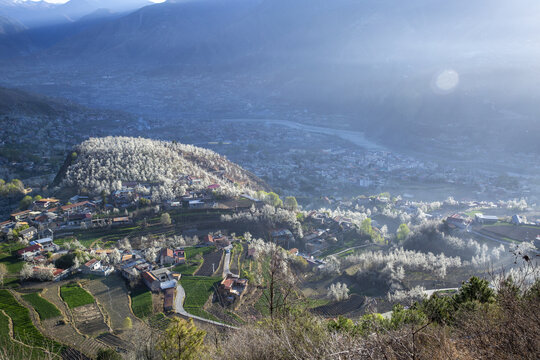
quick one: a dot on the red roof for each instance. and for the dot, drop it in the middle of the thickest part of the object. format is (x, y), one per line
(32, 248)
(227, 283)
(21, 213)
(57, 272)
(43, 201)
(41, 218)
(68, 207)
(148, 276)
(214, 186)
(167, 252)
(91, 262)
(208, 238)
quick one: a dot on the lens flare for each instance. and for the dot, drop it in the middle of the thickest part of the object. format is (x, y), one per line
(446, 81)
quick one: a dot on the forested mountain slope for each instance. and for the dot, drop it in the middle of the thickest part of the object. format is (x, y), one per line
(102, 164)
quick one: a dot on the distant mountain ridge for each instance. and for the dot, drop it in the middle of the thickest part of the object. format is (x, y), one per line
(375, 62)
(40, 13)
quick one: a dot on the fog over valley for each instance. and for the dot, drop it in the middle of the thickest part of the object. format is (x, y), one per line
(269, 179)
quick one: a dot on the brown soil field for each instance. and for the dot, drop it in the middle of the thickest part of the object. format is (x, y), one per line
(113, 341)
(112, 294)
(88, 319)
(209, 259)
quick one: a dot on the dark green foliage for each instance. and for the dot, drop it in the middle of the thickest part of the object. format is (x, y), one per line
(25, 202)
(439, 309)
(402, 316)
(475, 290)
(108, 354)
(65, 261)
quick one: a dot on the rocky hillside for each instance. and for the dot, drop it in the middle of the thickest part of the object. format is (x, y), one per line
(102, 164)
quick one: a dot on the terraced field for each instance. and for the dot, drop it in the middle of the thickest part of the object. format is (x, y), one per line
(67, 333)
(192, 264)
(509, 232)
(111, 293)
(207, 269)
(238, 254)
(141, 302)
(13, 349)
(198, 290)
(75, 296)
(44, 308)
(113, 341)
(13, 263)
(89, 320)
(22, 328)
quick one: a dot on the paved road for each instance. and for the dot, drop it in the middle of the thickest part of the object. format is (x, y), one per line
(433, 291)
(179, 300)
(179, 309)
(227, 261)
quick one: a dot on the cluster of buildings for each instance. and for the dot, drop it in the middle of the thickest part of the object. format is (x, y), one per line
(231, 289)
(47, 214)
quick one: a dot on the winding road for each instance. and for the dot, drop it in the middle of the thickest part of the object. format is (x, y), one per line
(181, 295)
(179, 309)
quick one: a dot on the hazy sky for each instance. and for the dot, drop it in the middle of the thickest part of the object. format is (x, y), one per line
(65, 1)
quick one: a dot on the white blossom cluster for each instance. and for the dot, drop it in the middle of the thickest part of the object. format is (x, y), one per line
(393, 264)
(103, 163)
(338, 291)
(269, 215)
(431, 237)
(514, 204)
(356, 216)
(416, 293)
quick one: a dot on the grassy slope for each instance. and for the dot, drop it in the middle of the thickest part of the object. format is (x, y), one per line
(12, 262)
(75, 296)
(45, 309)
(23, 328)
(198, 289)
(141, 302)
